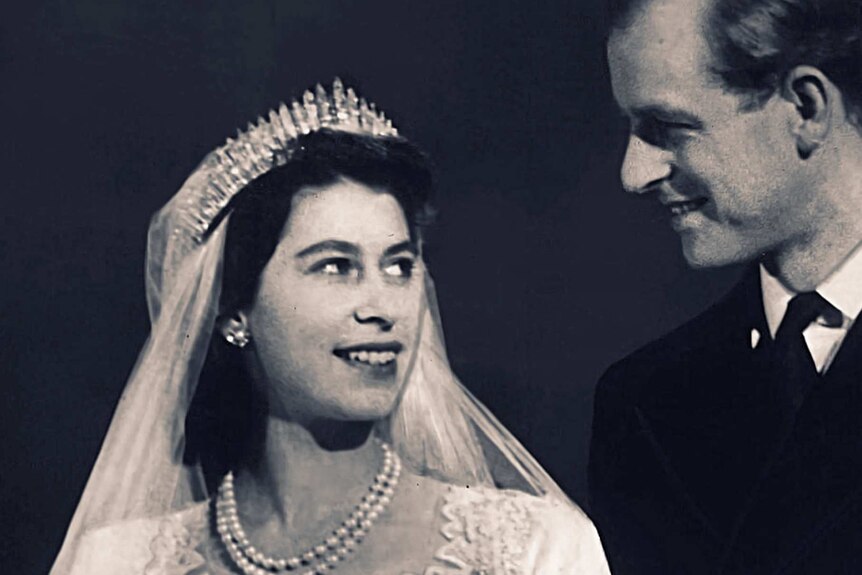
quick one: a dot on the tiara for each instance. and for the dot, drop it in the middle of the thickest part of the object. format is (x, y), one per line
(267, 145)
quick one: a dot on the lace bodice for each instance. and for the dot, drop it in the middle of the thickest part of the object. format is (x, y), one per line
(482, 532)
(485, 534)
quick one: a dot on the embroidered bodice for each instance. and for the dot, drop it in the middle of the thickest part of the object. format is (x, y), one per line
(480, 531)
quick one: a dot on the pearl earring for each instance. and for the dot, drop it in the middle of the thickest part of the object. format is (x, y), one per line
(239, 338)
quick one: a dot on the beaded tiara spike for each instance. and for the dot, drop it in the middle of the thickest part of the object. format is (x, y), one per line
(267, 145)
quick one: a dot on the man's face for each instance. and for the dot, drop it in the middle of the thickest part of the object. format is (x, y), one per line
(730, 179)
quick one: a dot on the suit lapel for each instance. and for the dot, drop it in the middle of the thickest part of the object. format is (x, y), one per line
(817, 471)
(766, 495)
(705, 408)
(848, 361)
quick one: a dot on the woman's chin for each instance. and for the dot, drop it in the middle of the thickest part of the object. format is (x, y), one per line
(369, 413)
(367, 405)
(362, 376)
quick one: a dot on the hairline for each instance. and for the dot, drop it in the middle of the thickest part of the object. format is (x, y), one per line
(751, 99)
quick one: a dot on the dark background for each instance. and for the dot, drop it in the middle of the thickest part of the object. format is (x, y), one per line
(547, 272)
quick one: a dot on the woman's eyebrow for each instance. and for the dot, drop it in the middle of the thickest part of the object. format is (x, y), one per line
(405, 246)
(329, 246)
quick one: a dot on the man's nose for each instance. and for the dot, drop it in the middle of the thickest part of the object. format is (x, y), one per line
(644, 166)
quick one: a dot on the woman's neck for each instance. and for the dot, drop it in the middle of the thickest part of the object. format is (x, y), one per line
(300, 472)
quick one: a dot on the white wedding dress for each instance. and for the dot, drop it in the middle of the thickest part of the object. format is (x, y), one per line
(479, 531)
(144, 508)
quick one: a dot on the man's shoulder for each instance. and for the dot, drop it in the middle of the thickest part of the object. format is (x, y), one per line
(689, 346)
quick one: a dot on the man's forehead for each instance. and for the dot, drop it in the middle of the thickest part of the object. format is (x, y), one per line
(664, 30)
(672, 15)
(660, 54)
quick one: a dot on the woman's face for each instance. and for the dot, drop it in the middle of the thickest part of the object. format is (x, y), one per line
(334, 322)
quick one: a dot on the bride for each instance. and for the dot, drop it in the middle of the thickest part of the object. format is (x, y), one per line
(293, 409)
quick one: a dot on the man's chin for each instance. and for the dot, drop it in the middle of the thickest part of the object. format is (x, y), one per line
(701, 254)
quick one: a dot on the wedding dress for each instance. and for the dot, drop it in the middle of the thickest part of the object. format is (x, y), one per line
(486, 506)
(481, 530)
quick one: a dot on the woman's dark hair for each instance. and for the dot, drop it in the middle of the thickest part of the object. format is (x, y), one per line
(755, 43)
(220, 420)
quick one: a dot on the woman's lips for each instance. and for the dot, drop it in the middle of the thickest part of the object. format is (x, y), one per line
(372, 355)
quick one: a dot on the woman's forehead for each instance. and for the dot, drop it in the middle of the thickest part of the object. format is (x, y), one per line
(346, 210)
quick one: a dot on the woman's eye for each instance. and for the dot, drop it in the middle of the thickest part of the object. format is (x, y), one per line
(336, 267)
(402, 268)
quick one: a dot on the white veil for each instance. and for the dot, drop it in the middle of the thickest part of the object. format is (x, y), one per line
(439, 428)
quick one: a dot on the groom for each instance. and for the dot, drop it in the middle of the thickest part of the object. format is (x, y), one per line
(734, 443)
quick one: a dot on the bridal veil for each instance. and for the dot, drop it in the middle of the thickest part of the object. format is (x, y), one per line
(439, 428)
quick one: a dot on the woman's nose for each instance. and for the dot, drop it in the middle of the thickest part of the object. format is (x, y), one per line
(644, 166)
(373, 314)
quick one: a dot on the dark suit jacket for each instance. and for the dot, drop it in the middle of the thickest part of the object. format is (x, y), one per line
(691, 470)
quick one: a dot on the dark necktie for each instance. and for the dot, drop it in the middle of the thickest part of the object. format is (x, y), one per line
(792, 362)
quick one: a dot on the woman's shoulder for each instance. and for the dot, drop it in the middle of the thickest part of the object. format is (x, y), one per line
(143, 545)
(540, 533)
(541, 511)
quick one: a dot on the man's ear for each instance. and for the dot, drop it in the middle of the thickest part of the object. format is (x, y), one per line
(234, 328)
(814, 98)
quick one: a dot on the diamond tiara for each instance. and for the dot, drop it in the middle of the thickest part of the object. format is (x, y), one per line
(266, 145)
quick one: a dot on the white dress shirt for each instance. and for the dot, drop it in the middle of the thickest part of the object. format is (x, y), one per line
(842, 289)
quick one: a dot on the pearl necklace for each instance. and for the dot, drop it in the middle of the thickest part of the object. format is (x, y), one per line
(320, 558)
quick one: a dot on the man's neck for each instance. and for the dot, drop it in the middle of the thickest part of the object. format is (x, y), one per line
(805, 261)
(802, 267)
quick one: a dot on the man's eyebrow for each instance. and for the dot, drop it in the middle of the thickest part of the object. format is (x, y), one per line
(329, 246)
(405, 246)
(666, 114)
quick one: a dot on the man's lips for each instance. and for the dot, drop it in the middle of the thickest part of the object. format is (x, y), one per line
(682, 207)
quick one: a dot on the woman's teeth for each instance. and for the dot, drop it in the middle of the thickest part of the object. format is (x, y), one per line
(372, 357)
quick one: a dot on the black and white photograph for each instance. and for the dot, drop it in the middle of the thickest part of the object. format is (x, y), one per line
(415, 288)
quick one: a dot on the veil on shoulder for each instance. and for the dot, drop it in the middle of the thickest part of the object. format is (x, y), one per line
(439, 428)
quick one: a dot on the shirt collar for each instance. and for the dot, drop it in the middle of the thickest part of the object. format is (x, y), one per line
(843, 289)
(776, 297)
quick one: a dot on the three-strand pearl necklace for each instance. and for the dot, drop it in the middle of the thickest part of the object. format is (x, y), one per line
(323, 557)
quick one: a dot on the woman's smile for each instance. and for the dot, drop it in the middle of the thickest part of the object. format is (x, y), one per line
(377, 358)
(338, 305)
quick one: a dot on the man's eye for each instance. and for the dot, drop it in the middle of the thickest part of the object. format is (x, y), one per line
(402, 268)
(662, 133)
(336, 267)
